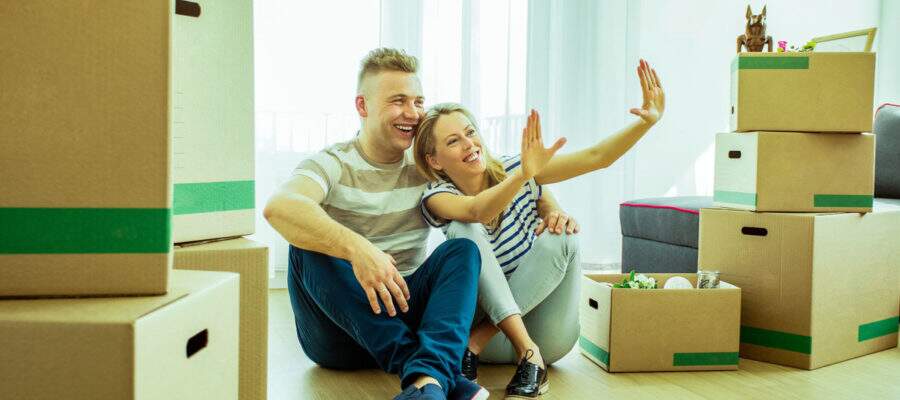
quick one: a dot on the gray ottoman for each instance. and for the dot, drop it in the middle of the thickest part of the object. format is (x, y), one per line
(660, 234)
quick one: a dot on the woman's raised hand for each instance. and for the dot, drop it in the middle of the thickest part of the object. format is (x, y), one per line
(654, 103)
(534, 156)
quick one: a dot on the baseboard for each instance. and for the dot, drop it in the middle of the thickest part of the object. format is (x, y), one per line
(279, 281)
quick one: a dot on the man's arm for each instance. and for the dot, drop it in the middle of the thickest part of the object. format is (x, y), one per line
(294, 212)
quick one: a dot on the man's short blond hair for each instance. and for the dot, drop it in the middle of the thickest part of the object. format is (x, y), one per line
(385, 59)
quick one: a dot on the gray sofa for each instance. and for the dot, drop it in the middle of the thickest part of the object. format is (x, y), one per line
(660, 234)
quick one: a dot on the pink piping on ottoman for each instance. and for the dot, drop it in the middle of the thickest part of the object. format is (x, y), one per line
(685, 210)
(884, 105)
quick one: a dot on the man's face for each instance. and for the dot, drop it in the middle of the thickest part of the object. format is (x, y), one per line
(394, 105)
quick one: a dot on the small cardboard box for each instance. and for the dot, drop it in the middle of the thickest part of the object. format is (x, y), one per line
(802, 92)
(795, 172)
(85, 148)
(251, 260)
(212, 127)
(632, 330)
(183, 345)
(817, 288)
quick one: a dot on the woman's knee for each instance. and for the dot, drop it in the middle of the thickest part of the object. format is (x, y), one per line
(564, 247)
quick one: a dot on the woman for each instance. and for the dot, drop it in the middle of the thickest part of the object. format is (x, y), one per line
(493, 202)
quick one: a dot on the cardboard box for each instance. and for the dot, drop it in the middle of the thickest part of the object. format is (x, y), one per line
(802, 92)
(631, 330)
(183, 345)
(251, 260)
(213, 121)
(85, 148)
(817, 288)
(794, 172)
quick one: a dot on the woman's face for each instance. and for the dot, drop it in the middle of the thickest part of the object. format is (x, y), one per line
(457, 147)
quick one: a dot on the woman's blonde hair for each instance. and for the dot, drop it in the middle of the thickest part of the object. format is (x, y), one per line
(425, 145)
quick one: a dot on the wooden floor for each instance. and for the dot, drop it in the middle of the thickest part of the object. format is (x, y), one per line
(292, 376)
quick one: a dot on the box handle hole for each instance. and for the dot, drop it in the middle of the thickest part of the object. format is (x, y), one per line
(734, 154)
(187, 8)
(593, 304)
(197, 342)
(749, 230)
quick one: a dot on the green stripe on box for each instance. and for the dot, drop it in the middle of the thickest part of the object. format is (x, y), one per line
(842, 200)
(594, 350)
(773, 63)
(702, 359)
(725, 196)
(776, 339)
(197, 198)
(85, 230)
(877, 329)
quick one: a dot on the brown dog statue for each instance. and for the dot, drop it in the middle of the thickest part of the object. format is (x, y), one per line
(755, 35)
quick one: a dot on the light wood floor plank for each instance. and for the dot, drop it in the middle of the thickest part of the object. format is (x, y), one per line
(293, 377)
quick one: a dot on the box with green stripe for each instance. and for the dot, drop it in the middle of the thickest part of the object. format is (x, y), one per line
(641, 330)
(86, 207)
(802, 92)
(212, 124)
(818, 288)
(795, 171)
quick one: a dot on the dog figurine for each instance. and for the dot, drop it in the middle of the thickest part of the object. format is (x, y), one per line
(755, 35)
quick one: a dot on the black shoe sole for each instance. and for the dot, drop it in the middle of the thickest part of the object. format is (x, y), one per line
(541, 390)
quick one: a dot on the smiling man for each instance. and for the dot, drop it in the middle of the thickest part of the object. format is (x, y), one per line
(362, 291)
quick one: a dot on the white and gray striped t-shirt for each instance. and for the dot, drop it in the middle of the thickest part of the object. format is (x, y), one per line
(378, 201)
(514, 236)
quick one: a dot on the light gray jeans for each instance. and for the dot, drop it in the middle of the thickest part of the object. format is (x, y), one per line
(544, 289)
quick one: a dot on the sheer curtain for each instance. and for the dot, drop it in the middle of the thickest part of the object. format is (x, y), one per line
(573, 60)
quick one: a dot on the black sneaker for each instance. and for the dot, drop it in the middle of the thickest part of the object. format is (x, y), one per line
(529, 382)
(469, 367)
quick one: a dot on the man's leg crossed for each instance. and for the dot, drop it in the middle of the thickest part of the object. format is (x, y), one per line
(443, 295)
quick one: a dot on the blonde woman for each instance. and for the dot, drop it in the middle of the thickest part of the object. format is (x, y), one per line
(528, 287)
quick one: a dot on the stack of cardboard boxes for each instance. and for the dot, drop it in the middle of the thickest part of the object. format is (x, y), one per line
(110, 110)
(797, 228)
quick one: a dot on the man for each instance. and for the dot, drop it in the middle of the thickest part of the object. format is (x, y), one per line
(362, 292)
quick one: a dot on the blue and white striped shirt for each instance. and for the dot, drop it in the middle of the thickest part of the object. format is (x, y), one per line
(513, 237)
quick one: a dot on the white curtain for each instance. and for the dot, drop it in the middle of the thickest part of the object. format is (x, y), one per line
(573, 60)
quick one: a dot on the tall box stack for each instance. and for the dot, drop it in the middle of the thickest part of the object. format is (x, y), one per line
(213, 165)
(797, 226)
(110, 111)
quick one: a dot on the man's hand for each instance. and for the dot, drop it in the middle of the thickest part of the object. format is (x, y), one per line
(556, 222)
(377, 273)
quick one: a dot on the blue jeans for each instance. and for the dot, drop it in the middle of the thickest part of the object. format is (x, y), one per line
(337, 329)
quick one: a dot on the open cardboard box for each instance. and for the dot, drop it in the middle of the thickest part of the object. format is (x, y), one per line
(633, 330)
